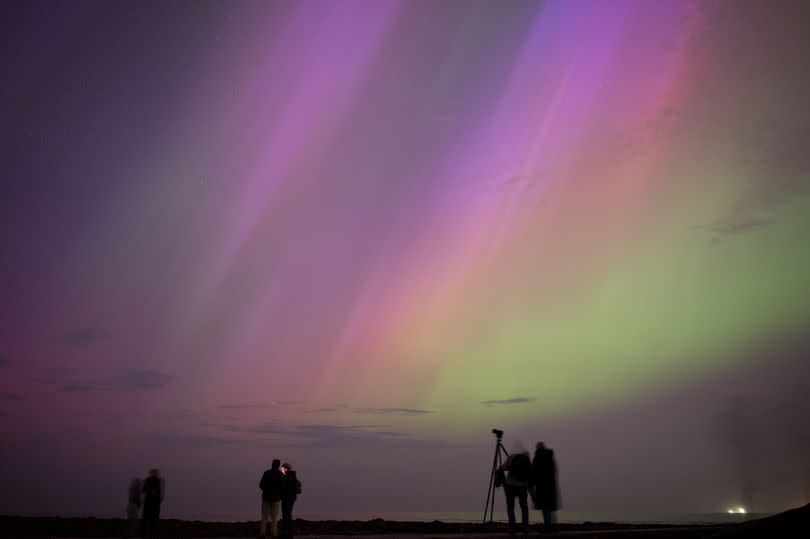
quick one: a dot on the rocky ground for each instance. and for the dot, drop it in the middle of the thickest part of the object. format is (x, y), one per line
(794, 523)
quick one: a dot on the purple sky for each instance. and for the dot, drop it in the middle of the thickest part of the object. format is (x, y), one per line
(358, 235)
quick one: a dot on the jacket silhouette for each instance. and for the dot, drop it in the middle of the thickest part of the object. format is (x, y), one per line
(271, 485)
(289, 486)
(289, 493)
(153, 490)
(544, 475)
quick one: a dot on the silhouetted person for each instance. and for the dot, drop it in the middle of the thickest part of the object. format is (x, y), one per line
(290, 489)
(271, 485)
(133, 506)
(153, 489)
(544, 478)
(516, 485)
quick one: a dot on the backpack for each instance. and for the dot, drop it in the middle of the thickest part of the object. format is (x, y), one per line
(520, 468)
(500, 478)
(297, 486)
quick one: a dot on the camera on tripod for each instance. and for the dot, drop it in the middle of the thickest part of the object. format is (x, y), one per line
(496, 475)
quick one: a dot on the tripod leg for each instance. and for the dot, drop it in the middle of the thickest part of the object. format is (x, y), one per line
(491, 488)
(495, 466)
(498, 450)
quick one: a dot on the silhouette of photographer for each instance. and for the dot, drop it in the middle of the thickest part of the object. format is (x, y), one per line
(518, 468)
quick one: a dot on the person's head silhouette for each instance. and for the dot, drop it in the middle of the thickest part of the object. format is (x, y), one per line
(276, 464)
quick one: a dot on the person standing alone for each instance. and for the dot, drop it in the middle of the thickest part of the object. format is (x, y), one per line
(544, 478)
(153, 491)
(271, 484)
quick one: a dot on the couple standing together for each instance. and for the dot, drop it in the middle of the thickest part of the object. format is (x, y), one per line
(280, 488)
(536, 477)
(151, 491)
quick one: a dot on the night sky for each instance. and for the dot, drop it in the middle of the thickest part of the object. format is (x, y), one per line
(358, 235)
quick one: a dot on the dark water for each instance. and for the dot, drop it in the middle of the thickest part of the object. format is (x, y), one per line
(476, 516)
(535, 516)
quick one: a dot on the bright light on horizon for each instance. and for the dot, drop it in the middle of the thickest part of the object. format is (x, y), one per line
(738, 510)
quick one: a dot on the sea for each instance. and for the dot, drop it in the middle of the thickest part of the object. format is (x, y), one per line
(535, 517)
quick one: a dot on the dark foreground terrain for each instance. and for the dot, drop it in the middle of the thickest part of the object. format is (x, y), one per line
(794, 523)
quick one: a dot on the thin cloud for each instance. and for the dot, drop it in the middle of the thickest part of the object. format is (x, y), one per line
(240, 406)
(141, 379)
(359, 436)
(261, 428)
(126, 380)
(779, 165)
(80, 387)
(321, 411)
(195, 441)
(736, 227)
(83, 337)
(347, 430)
(253, 405)
(333, 435)
(515, 400)
(392, 411)
(349, 436)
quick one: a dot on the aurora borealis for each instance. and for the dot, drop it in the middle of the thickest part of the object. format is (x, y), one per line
(358, 235)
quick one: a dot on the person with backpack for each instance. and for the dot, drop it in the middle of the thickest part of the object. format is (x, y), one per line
(290, 489)
(270, 486)
(544, 478)
(516, 485)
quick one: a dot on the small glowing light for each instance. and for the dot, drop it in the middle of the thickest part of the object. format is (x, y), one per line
(737, 511)
(741, 510)
(731, 511)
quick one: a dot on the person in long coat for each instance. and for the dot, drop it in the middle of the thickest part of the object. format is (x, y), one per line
(290, 488)
(153, 491)
(544, 478)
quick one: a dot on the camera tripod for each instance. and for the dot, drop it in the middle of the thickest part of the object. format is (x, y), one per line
(497, 460)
